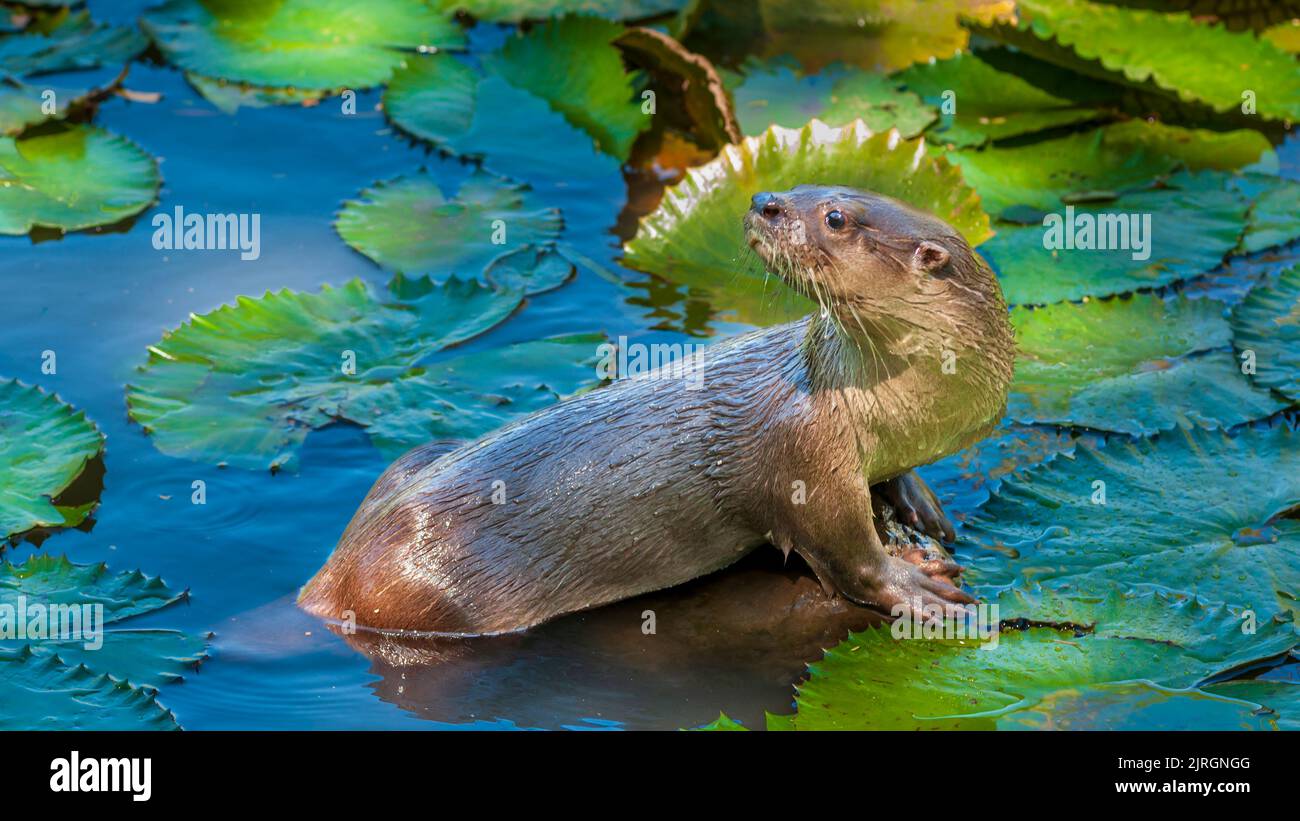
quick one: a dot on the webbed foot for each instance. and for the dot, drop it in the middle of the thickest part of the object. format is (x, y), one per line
(916, 505)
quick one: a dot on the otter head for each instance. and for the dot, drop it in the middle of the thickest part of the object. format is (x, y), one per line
(876, 263)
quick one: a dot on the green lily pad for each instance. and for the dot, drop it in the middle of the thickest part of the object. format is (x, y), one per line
(695, 236)
(304, 44)
(40, 692)
(408, 225)
(1136, 706)
(1187, 227)
(1280, 700)
(775, 93)
(245, 384)
(76, 43)
(1135, 365)
(990, 104)
(44, 446)
(516, 11)
(1168, 53)
(1038, 676)
(23, 105)
(1285, 36)
(1267, 322)
(75, 178)
(1194, 510)
(1100, 164)
(460, 110)
(573, 64)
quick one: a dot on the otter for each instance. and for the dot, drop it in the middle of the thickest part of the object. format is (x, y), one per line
(643, 484)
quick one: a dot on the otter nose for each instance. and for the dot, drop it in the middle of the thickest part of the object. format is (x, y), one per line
(767, 204)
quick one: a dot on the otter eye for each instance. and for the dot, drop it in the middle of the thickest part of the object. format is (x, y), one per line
(835, 220)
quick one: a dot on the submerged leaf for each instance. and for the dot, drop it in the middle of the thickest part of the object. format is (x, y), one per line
(44, 446)
(304, 44)
(1134, 365)
(409, 225)
(1267, 323)
(695, 236)
(774, 93)
(74, 178)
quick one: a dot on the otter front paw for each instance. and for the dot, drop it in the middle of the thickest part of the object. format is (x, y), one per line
(918, 583)
(916, 505)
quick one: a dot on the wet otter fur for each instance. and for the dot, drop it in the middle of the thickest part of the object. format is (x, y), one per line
(644, 484)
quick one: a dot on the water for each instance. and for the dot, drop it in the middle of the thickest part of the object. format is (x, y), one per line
(98, 299)
(733, 643)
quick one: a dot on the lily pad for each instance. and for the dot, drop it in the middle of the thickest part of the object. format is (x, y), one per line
(230, 97)
(573, 65)
(409, 225)
(1169, 53)
(1135, 365)
(44, 446)
(724, 723)
(1194, 510)
(1267, 322)
(987, 104)
(1100, 164)
(1274, 211)
(516, 11)
(75, 44)
(1037, 676)
(695, 236)
(304, 44)
(464, 397)
(1144, 239)
(460, 110)
(775, 93)
(23, 105)
(55, 580)
(245, 384)
(145, 658)
(74, 178)
(531, 270)
(963, 481)
(40, 692)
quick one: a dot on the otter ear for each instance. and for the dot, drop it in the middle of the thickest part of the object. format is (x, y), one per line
(930, 256)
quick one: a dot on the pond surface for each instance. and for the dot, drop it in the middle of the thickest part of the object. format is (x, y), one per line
(734, 642)
(99, 299)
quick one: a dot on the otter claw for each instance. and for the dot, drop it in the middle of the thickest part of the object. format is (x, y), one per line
(916, 505)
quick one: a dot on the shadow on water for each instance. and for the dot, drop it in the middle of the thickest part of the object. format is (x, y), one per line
(734, 641)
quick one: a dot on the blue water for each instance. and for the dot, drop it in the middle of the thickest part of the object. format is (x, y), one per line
(100, 298)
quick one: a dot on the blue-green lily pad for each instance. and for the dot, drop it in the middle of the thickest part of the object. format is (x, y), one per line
(1267, 323)
(1136, 365)
(40, 692)
(1194, 510)
(44, 446)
